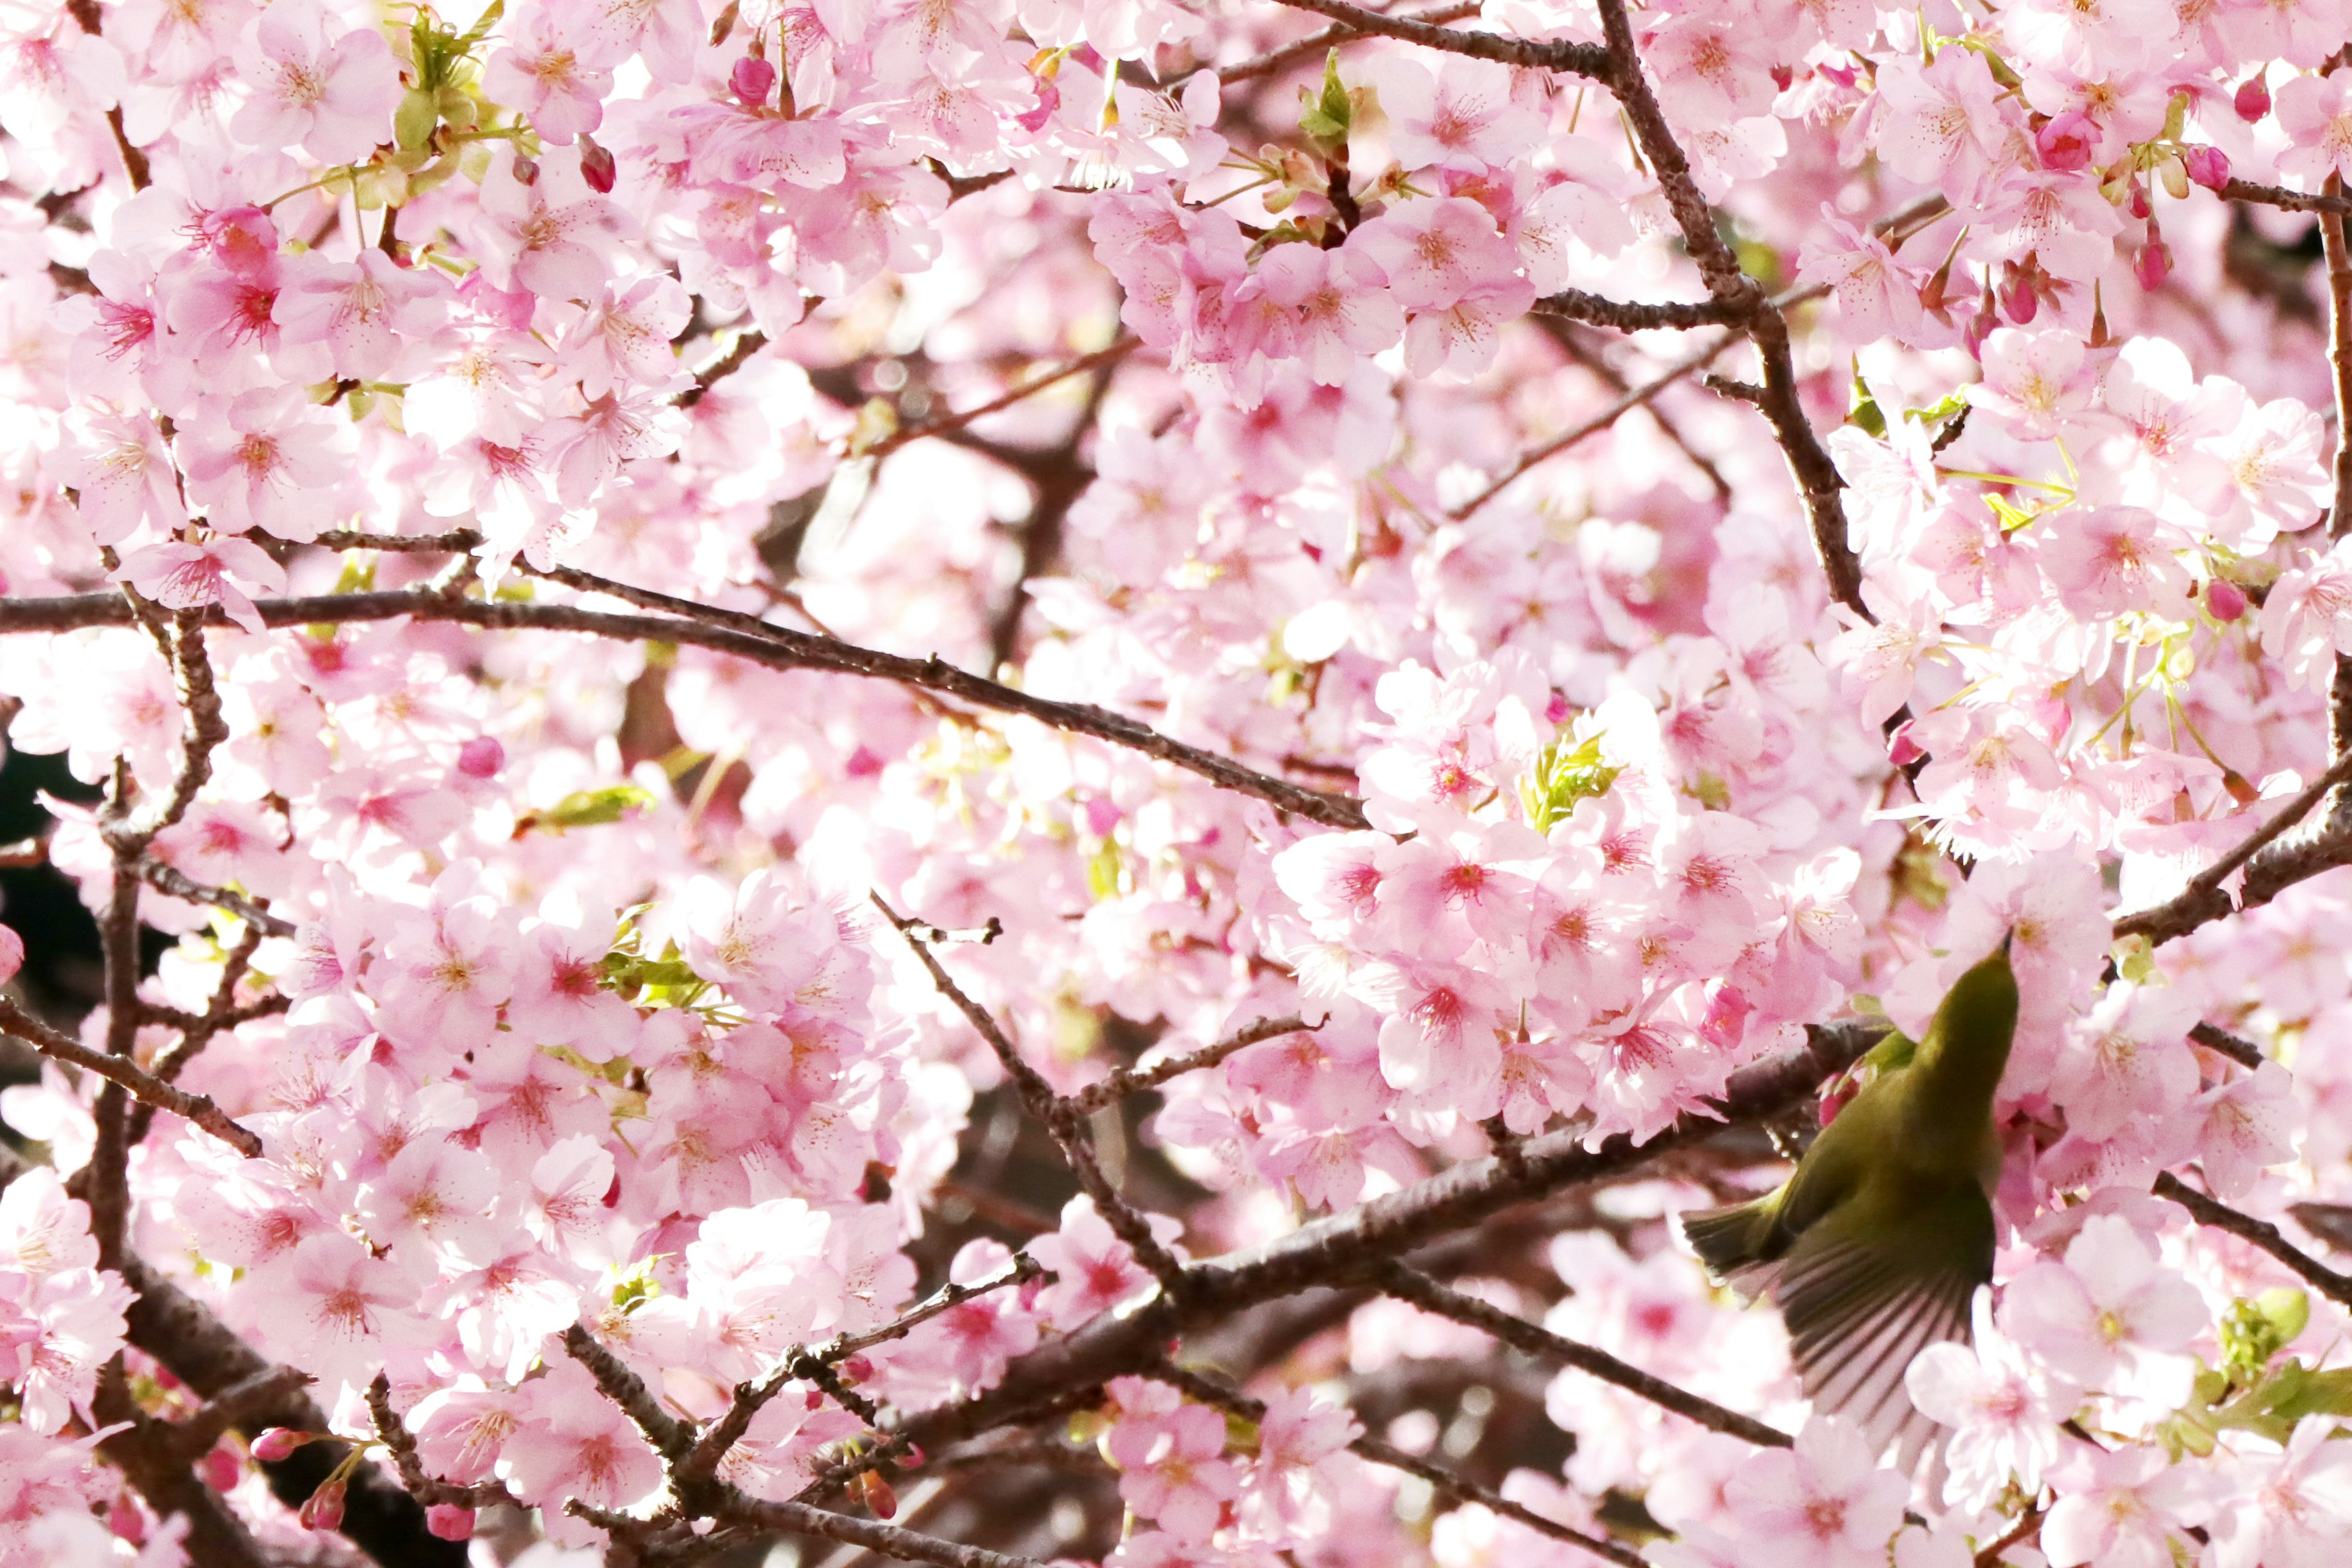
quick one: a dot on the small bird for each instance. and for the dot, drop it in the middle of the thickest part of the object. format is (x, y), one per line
(1875, 1245)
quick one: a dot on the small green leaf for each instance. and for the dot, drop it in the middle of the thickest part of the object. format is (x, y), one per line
(1329, 113)
(1862, 408)
(587, 808)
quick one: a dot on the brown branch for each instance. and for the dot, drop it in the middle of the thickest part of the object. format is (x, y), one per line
(2244, 1052)
(129, 1077)
(235, 1405)
(1061, 1117)
(2204, 899)
(727, 1430)
(2339, 518)
(746, 345)
(2016, 1534)
(1216, 1394)
(942, 425)
(2264, 1235)
(1123, 1081)
(1630, 316)
(426, 1489)
(888, 1540)
(171, 880)
(1345, 1249)
(2289, 201)
(1315, 43)
(774, 647)
(1409, 1285)
(1581, 59)
(672, 1437)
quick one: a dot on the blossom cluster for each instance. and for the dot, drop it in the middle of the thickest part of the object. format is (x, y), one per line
(542, 530)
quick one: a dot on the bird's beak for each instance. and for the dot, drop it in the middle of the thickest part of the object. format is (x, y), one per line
(2008, 941)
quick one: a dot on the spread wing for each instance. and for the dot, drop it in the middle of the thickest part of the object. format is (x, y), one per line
(1872, 1286)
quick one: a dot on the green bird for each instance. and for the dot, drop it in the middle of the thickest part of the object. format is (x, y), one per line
(1875, 1245)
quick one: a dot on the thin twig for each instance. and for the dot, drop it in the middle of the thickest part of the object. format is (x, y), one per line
(672, 1437)
(2263, 1235)
(1216, 1394)
(1120, 1082)
(1410, 1285)
(2288, 201)
(169, 880)
(2242, 1051)
(1315, 43)
(1583, 59)
(129, 1077)
(940, 426)
(774, 647)
(234, 1407)
(889, 1540)
(2204, 899)
(727, 1430)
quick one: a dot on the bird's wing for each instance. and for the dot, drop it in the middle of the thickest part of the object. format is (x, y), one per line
(1863, 1292)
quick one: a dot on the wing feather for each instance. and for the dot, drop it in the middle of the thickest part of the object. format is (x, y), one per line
(1859, 1304)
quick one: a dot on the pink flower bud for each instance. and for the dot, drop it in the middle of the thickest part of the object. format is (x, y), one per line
(2253, 99)
(125, 1519)
(1049, 98)
(913, 1460)
(2066, 143)
(752, 79)
(596, 164)
(525, 171)
(223, 1467)
(2225, 599)
(12, 953)
(482, 757)
(1836, 1100)
(2208, 166)
(1901, 748)
(325, 1508)
(856, 1369)
(448, 1521)
(2154, 263)
(275, 1442)
(2018, 302)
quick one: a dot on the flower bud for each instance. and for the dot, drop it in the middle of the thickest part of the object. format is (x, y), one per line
(856, 1369)
(1901, 748)
(448, 1521)
(2174, 172)
(275, 1442)
(125, 1519)
(2207, 166)
(2066, 142)
(2154, 263)
(222, 1467)
(596, 164)
(2253, 99)
(2224, 599)
(12, 953)
(526, 170)
(482, 757)
(325, 1508)
(2137, 204)
(2017, 299)
(753, 80)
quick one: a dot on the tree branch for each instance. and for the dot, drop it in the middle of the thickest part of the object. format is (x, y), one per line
(1409, 1285)
(1123, 1081)
(774, 647)
(2203, 900)
(1315, 43)
(1581, 59)
(2263, 1235)
(129, 1077)
(888, 1540)
(1215, 1392)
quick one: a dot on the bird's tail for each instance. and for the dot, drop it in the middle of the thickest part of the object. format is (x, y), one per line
(1734, 1242)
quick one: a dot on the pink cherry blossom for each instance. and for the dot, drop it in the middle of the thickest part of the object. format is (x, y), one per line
(328, 93)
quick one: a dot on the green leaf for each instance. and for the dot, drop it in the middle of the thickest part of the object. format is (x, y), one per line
(587, 808)
(1862, 408)
(1563, 775)
(1329, 113)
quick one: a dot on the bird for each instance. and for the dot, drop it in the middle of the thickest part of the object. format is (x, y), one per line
(1875, 1247)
